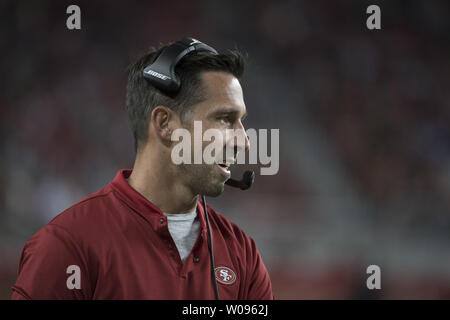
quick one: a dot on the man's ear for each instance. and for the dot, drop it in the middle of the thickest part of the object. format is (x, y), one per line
(164, 121)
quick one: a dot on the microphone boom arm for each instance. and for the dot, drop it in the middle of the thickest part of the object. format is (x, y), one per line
(245, 183)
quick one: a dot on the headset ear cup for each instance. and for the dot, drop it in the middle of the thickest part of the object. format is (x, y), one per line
(161, 73)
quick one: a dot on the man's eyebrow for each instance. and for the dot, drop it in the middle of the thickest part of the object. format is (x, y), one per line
(229, 111)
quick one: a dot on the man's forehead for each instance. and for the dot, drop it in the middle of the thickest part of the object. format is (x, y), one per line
(223, 91)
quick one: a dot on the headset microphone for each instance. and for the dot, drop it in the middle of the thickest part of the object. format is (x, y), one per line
(245, 183)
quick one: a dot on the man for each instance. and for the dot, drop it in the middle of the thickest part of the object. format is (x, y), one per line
(144, 235)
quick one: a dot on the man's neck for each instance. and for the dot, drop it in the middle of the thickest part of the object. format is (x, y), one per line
(164, 191)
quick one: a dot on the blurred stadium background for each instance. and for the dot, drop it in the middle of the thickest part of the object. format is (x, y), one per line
(363, 116)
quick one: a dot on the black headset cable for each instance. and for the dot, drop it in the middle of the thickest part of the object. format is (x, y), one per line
(213, 271)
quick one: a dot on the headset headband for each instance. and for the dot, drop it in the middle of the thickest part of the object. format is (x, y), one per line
(161, 73)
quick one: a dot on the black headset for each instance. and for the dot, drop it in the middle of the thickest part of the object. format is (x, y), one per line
(161, 74)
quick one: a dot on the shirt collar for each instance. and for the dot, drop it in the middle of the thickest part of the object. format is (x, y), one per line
(141, 204)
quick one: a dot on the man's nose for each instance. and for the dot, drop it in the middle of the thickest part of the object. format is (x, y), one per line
(241, 139)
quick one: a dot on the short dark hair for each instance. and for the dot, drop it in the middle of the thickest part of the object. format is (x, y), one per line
(142, 97)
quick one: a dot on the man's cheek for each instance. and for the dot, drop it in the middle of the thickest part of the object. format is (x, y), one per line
(213, 145)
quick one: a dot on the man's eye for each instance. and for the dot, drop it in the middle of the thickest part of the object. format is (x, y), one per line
(225, 119)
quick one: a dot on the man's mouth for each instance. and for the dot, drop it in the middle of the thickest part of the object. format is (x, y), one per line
(225, 168)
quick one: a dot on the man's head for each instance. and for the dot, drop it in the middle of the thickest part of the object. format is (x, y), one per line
(210, 92)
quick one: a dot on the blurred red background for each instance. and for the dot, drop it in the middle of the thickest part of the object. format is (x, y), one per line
(363, 116)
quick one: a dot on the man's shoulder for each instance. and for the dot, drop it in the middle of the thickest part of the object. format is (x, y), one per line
(85, 211)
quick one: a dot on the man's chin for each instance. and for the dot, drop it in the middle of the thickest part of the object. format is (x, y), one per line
(215, 191)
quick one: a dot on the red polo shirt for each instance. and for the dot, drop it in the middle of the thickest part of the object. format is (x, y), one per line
(120, 245)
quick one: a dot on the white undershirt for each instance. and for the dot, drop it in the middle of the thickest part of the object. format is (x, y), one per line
(184, 229)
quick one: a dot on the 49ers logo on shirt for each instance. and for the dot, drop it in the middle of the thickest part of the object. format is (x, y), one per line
(225, 275)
